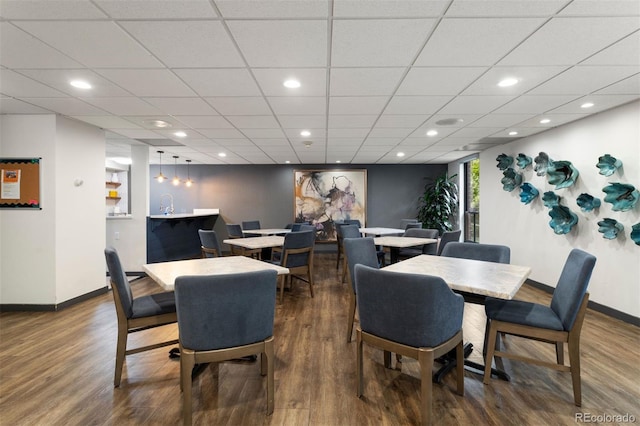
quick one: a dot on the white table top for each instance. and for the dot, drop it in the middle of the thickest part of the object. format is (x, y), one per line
(381, 231)
(266, 231)
(256, 242)
(402, 242)
(165, 273)
(471, 276)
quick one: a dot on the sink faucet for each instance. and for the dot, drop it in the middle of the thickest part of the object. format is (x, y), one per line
(169, 209)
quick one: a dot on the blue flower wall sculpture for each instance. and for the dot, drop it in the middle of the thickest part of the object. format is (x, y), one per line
(550, 199)
(523, 161)
(610, 228)
(504, 161)
(562, 174)
(528, 193)
(635, 233)
(542, 163)
(511, 179)
(587, 202)
(562, 219)
(608, 165)
(622, 196)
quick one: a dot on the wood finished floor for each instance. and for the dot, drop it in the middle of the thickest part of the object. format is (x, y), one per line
(57, 369)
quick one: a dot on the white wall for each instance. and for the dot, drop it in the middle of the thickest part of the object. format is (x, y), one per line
(525, 228)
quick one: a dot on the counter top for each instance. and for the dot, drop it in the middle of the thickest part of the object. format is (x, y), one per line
(180, 216)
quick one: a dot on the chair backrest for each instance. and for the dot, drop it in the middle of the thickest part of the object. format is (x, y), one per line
(350, 231)
(404, 222)
(209, 240)
(251, 224)
(572, 286)
(353, 222)
(486, 252)
(222, 311)
(297, 240)
(234, 230)
(448, 237)
(413, 225)
(306, 227)
(119, 281)
(411, 309)
(360, 251)
(424, 233)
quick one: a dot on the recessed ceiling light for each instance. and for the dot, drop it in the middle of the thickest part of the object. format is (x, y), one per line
(222, 154)
(400, 154)
(307, 144)
(292, 84)
(432, 133)
(287, 162)
(513, 133)
(586, 105)
(449, 121)
(338, 161)
(305, 133)
(80, 84)
(161, 124)
(545, 121)
(180, 134)
(509, 81)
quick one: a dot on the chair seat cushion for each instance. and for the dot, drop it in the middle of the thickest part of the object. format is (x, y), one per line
(154, 304)
(524, 313)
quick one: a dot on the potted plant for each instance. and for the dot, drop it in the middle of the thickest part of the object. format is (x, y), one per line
(439, 203)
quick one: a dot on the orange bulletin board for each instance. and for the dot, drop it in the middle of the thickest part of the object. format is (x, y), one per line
(20, 183)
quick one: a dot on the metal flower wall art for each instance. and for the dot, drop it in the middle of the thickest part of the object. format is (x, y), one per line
(511, 179)
(550, 199)
(587, 202)
(635, 233)
(608, 165)
(528, 193)
(523, 160)
(504, 161)
(610, 228)
(542, 163)
(622, 196)
(562, 174)
(562, 219)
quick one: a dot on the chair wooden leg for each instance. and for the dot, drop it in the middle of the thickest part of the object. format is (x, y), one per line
(121, 348)
(283, 279)
(387, 359)
(491, 347)
(187, 362)
(574, 360)
(268, 353)
(310, 279)
(425, 359)
(560, 353)
(359, 377)
(460, 367)
(352, 315)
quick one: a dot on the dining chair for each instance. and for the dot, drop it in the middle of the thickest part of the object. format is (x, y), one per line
(405, 253)
(348, 231)
(235, 231)
(210, 245)
(307, 227)
(136, 314)
(404, 222)
(339, 237)
(446, 238)
(223, 317)
(413, 225)
(249, 225)
(296, 254)
(357, 251)
(486, 252)
(413, 315)
(559, 323)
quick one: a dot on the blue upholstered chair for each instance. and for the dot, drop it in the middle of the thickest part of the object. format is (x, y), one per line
(347, 231)
(446, 238)
(405, 253)
(339, 237)
(404, 222)
(413, 225)
(307, 227)
(357, 251)
(222, 317)
(559, 323)
(136, 314)
(297, 255)
(486, 252)
(235, 231)
(250, 224)
(412, 315)
(210, 245)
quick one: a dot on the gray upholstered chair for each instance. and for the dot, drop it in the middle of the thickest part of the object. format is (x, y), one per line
(136, 314)
(222, 317)
(339, 237)
(404, 222)
(348, 231)
(357, 251)
(307, 227)
(446, 238)
(559, 323)
(297, 255)
(405, 253)
(413, 225)
(235, 231)
(412, 315)
(486, 252)
(210, 245)
(249, 225)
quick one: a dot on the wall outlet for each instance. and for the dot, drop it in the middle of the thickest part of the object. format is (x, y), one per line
(116, 235)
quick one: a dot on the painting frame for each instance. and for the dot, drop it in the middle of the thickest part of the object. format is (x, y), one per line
(326, 196)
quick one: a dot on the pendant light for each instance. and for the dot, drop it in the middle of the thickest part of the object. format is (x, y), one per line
(160, 178)
(176, 180)
(189, 181)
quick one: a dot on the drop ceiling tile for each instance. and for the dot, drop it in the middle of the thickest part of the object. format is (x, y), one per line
(253, 121)
(402, 121)
(377, 144)
(151, 83)
(472, 132)
(294, 134)
(219, 82)
(262, 133)
(584, 79)
(171, 134)
(102, 45)
(273, 9)
(365, 81)
(139, 134)
(59, 79)
(447, 121)
(19, 86)
(282, 44)
(226, 142)
(187, 44)
(534, 104)
(468, 42)
(344, 142)
(628, 86)
(157, 9)
(528, 78)
(407, 105)
(500, 8)
(601, 103)
(201, 143)
(501, 120)
(421, 132)
(66, 106)
(573, 40)
(248, 105)
(47, 9)
(313, 81)
(182, 106)
(348, 133)
(303, 105)
(438, 80)
(273, 144)
(302, 121)
(599, 8)
(362, 105)
(107, 122)
(347, 121)
(522, 132)
(475, 104)
(388, 8)
(15, 106)
(222, 134)
(556, 120)
(390, 132)
(124, 106)
(624, 52)
(148, 122)
(15, 42)
(378, 42)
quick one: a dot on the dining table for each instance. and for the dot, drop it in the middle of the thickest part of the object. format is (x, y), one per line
(395, 243)
(377, 231)
(251, 244)
(475, 280)
(267, 231)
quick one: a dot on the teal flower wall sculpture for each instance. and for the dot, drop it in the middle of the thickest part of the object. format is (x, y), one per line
(562, 219)
(608, 165)
(504, 161)
(587, 202)
(622, 196)
(562, 174)
(635, 233)
(610, 228)
(550, 199)
(523, 161)
(511, 179)
(528, 193)
(542, 163)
